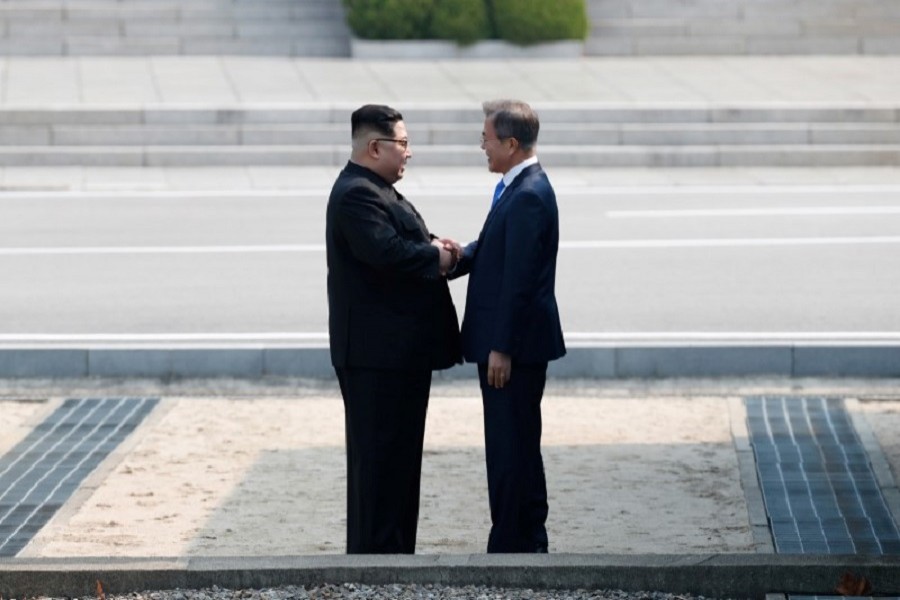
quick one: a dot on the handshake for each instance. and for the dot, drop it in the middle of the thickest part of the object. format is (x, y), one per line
(450, 251)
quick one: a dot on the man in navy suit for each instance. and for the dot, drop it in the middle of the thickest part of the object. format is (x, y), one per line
(391, 321)
(511, 326)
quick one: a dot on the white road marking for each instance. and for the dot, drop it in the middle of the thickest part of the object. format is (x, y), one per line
(755, 212)
(244, 249)
(564, 245)
(461, 188)
(732, 335)
(726, 242)
(676, 189)
(578, 338)
(161, 337)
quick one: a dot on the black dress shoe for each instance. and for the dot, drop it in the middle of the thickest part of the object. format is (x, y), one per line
(540, 549)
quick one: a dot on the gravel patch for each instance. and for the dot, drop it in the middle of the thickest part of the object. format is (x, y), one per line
(351, 591)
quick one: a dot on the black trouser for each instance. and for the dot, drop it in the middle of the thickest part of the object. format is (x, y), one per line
(384, 417)
(517, 489)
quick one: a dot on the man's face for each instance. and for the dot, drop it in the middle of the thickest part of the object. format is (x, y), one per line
(393, 154)
(497, 151)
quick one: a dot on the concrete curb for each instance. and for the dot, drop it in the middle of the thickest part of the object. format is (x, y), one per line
(600, 361)
(724, 575)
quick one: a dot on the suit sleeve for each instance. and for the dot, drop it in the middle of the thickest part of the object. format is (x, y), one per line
(373, 238)
(520, 274)
(464, 265)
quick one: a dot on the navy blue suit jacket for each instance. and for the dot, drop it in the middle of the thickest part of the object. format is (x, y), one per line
(511, 303)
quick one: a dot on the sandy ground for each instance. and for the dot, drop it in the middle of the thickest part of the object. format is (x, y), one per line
(18, 418)
(265, 476)
(230, 468)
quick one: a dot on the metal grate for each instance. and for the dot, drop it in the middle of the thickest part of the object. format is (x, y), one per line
(819, 489)
(41, 472)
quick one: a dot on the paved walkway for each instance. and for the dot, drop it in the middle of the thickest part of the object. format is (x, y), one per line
(251, 471)
(213, 82)
(241, 470)
(108, 84)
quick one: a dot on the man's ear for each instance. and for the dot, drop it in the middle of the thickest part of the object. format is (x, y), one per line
(372, 148)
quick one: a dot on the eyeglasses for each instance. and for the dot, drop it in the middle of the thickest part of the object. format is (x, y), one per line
(485, 140)
(404, 143)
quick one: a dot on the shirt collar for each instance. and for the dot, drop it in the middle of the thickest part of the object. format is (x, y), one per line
(514, 172)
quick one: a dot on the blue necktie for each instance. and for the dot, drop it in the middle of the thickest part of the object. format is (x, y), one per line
(497, 191)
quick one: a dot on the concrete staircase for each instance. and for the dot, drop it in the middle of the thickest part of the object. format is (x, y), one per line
(173, 27)
(758, 27)
(448, 136)
(317, 27)
(308, 134)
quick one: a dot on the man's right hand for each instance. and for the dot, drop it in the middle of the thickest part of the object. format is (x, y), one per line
(499, 369)
(447, 258)
(452, 246)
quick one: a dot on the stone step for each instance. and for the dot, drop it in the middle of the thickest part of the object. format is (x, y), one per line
(551, 155)
(448, 135)
(421, 116)
(754, 27)
(174, 27)
(172, 46)
(317, 27)
(173, 10)
(562, 134)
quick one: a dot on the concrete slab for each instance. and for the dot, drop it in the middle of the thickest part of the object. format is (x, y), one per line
(200, 81)
(44, 363)
(41, 81)
(723, 80)
(853, 361)
(267, 80)
(688, 361)
(118, 81)
(583, 361)
(712, 576)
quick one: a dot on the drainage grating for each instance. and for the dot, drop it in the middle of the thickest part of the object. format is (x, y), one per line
(819, 489)
(40, 473)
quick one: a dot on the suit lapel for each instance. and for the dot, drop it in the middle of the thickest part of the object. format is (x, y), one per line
(507, 194)
(510, 190)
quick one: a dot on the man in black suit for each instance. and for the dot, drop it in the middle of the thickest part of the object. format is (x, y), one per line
(390, 321)
(511, 326)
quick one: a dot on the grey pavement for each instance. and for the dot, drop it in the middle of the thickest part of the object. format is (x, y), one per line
(148, 88)
(217, 89)
(775, 317)
(222, 82)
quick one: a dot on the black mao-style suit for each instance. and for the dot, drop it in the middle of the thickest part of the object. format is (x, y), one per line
(511, 308)
(391, 321)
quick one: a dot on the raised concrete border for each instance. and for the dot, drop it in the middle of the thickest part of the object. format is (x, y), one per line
(756, 506)
(724, 575)
(600, 361)
(880, 465)
(442, 49)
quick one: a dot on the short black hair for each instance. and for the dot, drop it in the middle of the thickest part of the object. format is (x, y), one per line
(374, 117)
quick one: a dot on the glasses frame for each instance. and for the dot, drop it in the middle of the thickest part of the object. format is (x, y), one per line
(404, 143)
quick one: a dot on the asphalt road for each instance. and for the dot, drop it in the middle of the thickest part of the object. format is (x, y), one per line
(636, 263)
